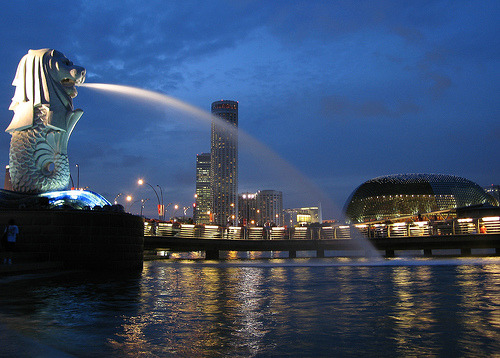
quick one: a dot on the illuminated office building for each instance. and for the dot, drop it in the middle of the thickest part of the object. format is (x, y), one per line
(394, 196)
(303, 216)
(247, 209)
(203, 207)
(270, 207)
(224, 162)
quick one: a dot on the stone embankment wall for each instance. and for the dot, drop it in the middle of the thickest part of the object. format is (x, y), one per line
(80, 239)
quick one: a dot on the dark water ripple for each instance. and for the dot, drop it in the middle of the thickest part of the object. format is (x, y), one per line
(286, 308)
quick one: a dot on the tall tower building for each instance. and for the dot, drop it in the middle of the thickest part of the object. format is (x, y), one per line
(203, 209)
(224, 162)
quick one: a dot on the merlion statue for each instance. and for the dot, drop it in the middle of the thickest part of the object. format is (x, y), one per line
(43, 121)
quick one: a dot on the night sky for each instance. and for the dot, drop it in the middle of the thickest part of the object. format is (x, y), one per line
(341, 91)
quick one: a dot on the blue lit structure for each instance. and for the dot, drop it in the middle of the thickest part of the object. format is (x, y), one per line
(76, 199)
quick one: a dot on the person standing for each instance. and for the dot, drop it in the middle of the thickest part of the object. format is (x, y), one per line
(10, 238)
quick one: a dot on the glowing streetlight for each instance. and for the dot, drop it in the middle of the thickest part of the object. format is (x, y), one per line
(176, 206)
(141, 182)
(116, 198)
(78, 177)
(129, 199)
(143, 203)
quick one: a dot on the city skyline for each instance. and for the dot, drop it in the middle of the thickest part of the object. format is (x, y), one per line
(342, 92)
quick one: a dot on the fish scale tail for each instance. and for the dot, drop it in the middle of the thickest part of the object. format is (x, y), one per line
(35, 166)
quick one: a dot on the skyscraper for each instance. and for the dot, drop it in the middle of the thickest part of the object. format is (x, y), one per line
(224, 162)
(270, 206)
(203, 208)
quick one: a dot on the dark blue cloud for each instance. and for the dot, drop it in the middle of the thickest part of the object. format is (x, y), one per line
(343, 90)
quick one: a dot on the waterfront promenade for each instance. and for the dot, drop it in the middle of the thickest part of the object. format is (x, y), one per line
(464, 243)
(462, 235)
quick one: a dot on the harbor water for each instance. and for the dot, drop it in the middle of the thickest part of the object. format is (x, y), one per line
(258, 308)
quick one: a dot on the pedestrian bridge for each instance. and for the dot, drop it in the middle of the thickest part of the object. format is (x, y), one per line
(465, 235)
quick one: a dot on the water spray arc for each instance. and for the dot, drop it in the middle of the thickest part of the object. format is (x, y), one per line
(257, 148)
(252, 145)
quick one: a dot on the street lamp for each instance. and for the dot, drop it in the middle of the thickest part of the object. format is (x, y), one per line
(175, 210)
(78, 177)
(232, 214)
(129, 199)
(116, 198)
(143, 203)
(185, 208)
(140, 182)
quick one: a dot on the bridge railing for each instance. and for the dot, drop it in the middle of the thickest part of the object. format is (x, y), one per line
(461, 226)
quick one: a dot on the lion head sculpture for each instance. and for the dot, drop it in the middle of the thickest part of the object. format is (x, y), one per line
(44, 77)
(43, 120)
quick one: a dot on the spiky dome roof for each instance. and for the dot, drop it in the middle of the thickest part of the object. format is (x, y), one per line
(398, 195)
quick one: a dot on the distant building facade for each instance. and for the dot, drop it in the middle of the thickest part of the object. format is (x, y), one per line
(270, 207)
(224, 163)
(303, 216)
(262, 208)
(203, 208)
(247, 209)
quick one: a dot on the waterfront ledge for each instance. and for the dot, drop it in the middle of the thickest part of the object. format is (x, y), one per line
(80, 239)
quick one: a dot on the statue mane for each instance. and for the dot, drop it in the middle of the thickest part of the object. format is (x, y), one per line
(38, 82)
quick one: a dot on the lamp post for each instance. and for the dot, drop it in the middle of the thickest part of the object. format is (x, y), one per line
(116, 198)
(185, 209)
(175, 210)
(78, 177)
(143, 203)
(140, 182)
(129, 199)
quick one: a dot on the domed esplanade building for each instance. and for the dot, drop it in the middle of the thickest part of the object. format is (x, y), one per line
(394, 196)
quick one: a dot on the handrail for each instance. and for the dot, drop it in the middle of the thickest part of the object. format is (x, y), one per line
(372, 230)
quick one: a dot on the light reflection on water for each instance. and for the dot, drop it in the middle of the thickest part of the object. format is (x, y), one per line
(301, 307)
